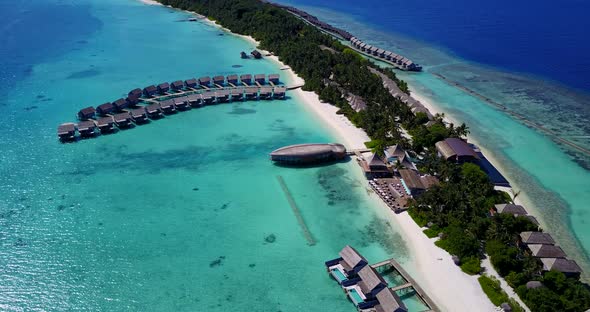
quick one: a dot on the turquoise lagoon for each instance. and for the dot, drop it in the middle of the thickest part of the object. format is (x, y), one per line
(552, 180)
(182, 214)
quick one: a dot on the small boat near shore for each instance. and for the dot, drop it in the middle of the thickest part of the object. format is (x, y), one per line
(304, 154)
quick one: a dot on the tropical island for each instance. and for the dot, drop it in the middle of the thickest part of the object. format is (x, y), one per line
(457, 210)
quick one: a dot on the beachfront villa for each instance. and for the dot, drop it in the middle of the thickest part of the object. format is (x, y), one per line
(375, 167)
(515, 210)
(397, 155)
(456, 150)
(542, 246)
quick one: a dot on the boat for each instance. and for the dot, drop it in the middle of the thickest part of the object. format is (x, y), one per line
(308, 153)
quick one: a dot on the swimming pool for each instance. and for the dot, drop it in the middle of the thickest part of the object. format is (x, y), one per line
(355, 296)
(338, 275)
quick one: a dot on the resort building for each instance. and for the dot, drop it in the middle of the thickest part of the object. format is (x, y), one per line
(104, 109)
(416, 184)
(66, 132)
(122, 120)
(356, 102)
(205, 81)
(163, 88)
(371, 282)
(150, 91)
(177, 85)
(191, 83)
(86, 128)
(568, 267)
(274, 78)
(396, 155)
(134, 94)
(389, 301)
(375, 167)
(86, 113)
(515, 210)
(457, 150)
(105, 124)
(232, 79)
(120, 104)
(536, 238)
(139, 115)
(546, 251)
(347, 266)
(260, 78)
(246, 78)
(219, 80)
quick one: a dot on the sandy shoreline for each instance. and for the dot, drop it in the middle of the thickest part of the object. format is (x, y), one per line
(443, 281)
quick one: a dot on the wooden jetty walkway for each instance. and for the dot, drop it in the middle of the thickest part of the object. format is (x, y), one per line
(410, 282)
(358, 152)
(300, 220)
(550, 133)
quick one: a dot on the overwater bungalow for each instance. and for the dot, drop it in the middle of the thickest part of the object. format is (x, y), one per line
(347, 266)
(191, 83)
(457, 150)
(568, 267)
(132, 101)
(168, 106)
(104, 109)
(371, 283)
(154, 111)
(182, 103)
(135, 93)
(411, 180)
(274, 78)
(279, 92)
(139, 115)
(163, 88)
(119, 104)
(526, 238)
(389, 301)
(122, 120)
(66, 132)
(237, 94)
(246, 78)
(86, 113)
(219, 80)
(207, 98)
(515, 210)
(260, 78)
(265, 93)
(233, 79)
(380, 53)
(256, 54)
(105, 124)
(363, 46)
(546, 251)
(222, 96)
(251, 93)
(177, 85)
(150, 91)
(205, 81)
(194, 100)
(86, 128)
(243, 55)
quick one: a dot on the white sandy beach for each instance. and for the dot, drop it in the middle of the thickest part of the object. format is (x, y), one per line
(444, 282)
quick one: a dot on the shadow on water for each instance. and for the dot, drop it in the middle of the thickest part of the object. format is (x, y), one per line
(313, 165)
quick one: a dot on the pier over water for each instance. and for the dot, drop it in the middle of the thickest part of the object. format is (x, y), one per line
(154, 102)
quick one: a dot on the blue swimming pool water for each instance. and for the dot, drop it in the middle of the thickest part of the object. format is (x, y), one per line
(339, 275)
(356, 297)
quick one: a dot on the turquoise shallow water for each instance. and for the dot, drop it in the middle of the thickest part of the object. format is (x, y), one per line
(553, 179)
(183, 214)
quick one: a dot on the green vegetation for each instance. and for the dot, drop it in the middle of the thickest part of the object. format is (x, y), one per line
(459, 207)
(471, 266)
(491, 287)
(298, 45)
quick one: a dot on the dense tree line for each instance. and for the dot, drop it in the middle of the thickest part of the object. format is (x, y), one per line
(297, 44)
(459, 207)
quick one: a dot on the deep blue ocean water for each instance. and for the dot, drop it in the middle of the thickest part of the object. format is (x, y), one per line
(536, 37)
(529, 56)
